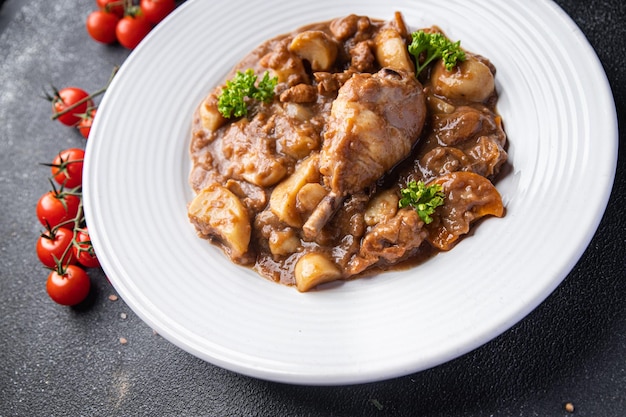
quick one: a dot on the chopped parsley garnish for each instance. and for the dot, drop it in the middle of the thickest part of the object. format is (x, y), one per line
(434, 46)
(232, 100)
(424, 199)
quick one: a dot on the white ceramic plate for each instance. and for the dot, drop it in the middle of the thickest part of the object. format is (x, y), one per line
(561, 121)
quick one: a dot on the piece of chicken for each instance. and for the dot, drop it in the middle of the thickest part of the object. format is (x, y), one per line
(374, 123)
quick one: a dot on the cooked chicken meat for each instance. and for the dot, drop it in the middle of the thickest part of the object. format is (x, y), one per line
(374, 123)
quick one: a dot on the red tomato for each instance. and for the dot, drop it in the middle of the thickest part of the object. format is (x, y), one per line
(101, 26)
(131, 30)
(84, 126)
(67, 98)
(112, 6)
(68, 287)
(83, 251)
(58, 208)
(67, 167)
(157, 10)
(56, 246)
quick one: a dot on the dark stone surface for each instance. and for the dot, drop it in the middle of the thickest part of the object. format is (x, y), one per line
(57, 361)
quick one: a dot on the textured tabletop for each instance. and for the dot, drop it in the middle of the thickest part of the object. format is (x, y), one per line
(102, 360)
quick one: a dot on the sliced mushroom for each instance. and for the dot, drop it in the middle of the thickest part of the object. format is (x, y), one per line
(316, 47)
(283, 199)
(471, 80)
(314, 269)
(309, 197)
(391, 51)
(210, 117)
(218, 213)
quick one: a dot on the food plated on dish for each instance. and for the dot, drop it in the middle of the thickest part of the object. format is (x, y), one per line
(560, 123)
(347, 146)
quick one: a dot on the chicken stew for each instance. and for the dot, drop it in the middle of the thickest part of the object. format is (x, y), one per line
(306, 186)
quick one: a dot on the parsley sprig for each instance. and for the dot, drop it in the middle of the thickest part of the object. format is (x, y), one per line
(434, 46)
(232, 100)
(423, 198)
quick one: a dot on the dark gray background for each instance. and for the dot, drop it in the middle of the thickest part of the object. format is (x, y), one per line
(57, 361)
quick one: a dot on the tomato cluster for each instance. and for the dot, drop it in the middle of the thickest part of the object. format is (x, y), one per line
(73, 106)
(126, 21)
(65, 247)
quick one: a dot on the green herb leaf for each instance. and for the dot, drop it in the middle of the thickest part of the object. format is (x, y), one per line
(232, 100)
(434, 46)
(265, 91)
(424, 199)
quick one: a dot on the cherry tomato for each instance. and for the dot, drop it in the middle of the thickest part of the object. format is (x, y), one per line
(83, 251)
(67, 167)
(84, 126)
(131, 30)
(66, 98)
(69, 286)
(157, 10)
(56, 246)
(101, 26)
(112, 6)
(58, 208)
